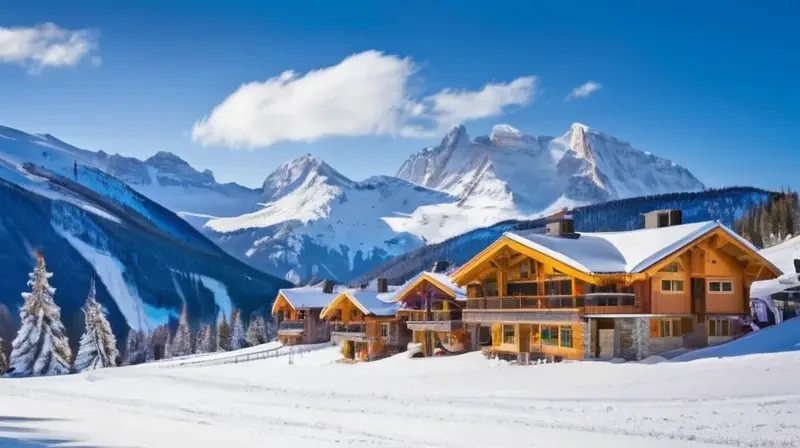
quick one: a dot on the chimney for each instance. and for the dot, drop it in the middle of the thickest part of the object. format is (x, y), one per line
(327, 286)
(383, 285)
(797, 265)
(440, 266)
(562, 226)
(663, 218)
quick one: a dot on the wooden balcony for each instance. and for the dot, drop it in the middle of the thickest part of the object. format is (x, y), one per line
(292, 327)
(433, 320)
(350, 331)
(548, 308)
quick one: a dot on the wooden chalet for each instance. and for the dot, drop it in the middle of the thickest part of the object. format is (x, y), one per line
(297, 313)
(565, 295)
(431, 307)
(366, 326)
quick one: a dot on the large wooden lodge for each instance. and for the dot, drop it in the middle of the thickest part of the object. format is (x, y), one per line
(554, 294)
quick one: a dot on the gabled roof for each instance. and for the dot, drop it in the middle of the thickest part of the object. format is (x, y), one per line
(368, 302)
(306, 297)
(628, 252)
(441, 281)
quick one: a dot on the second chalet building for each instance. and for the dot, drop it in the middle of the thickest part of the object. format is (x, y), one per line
(566, 295)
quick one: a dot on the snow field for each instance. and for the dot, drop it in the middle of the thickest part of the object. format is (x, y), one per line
(460, 401)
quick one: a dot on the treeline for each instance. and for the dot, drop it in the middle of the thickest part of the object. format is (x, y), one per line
(723, 204)
(771, 222)
(41, 346)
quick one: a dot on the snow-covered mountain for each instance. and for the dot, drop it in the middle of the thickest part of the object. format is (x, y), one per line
(315, 222)
(147, 261)
(308, 220)
(528, 175)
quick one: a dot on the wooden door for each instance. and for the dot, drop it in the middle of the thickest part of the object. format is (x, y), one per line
(699, 298)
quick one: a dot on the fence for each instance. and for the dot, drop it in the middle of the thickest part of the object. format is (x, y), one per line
(277, 352)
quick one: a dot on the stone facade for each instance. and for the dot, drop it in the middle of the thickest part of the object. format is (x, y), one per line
(632, 338)
(587, 330)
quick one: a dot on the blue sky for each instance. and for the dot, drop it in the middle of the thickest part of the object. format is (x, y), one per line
(711, 85)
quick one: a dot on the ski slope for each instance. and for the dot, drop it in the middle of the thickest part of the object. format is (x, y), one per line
(463, 401)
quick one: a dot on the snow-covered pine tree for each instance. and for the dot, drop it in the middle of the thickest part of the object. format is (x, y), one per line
(256, 330)
(223, 334)
(98, 346)
(135, 348)
(205, 340)
(238, 338)
(182, 342)
(168, 346)
(41, 346)
(3, 358)
(149, 347)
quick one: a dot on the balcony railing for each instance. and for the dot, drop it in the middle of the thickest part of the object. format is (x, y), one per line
(292, 325)
(434, 316)
(590, 303)
(347, 327)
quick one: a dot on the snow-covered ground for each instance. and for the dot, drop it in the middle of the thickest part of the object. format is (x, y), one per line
(460, 401)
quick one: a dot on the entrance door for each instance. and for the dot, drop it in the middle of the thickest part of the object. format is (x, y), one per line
(699, 299)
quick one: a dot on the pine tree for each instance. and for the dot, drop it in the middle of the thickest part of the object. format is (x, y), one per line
(238, 338)
(135, 349)
(205, 340)
(98, 346)
(182, 342)
(3, 358)
(223, 334)
(149, 347)
(41, 346)
(257, 330)
(168, 346)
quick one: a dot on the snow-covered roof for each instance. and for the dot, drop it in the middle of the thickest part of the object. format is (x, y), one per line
(621, 252)
(765, 288)
(442, 281)
(783, 255)
(370, 303)
(308, 297)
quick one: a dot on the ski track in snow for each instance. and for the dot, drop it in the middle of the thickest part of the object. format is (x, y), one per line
(110, 271)
(462, 401)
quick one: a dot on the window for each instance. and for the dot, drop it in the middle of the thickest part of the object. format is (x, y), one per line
(672, 267)
(384, 330)
(671, 286)
(525, 269)
(566, 336)
(490, 288)
(523, 289)
(509, 334)
(720, 286)
(665, 328)
(301, 315)
(719, 327)
(549, 335)
(354, 314)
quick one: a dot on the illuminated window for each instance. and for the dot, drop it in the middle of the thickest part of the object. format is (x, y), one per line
(665, 328)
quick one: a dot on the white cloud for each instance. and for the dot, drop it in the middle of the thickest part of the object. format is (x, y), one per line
(451, 107)
(365, 94)
(583, 91)
(46, 45)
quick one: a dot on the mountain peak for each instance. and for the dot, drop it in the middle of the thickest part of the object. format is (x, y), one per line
(165, 158)
(302, 170)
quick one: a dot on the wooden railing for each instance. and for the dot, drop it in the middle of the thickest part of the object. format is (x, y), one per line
(437, 316)
(292, 325)
(590, 303)
(349, 327)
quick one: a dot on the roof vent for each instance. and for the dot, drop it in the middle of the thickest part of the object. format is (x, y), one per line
(663, 218)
